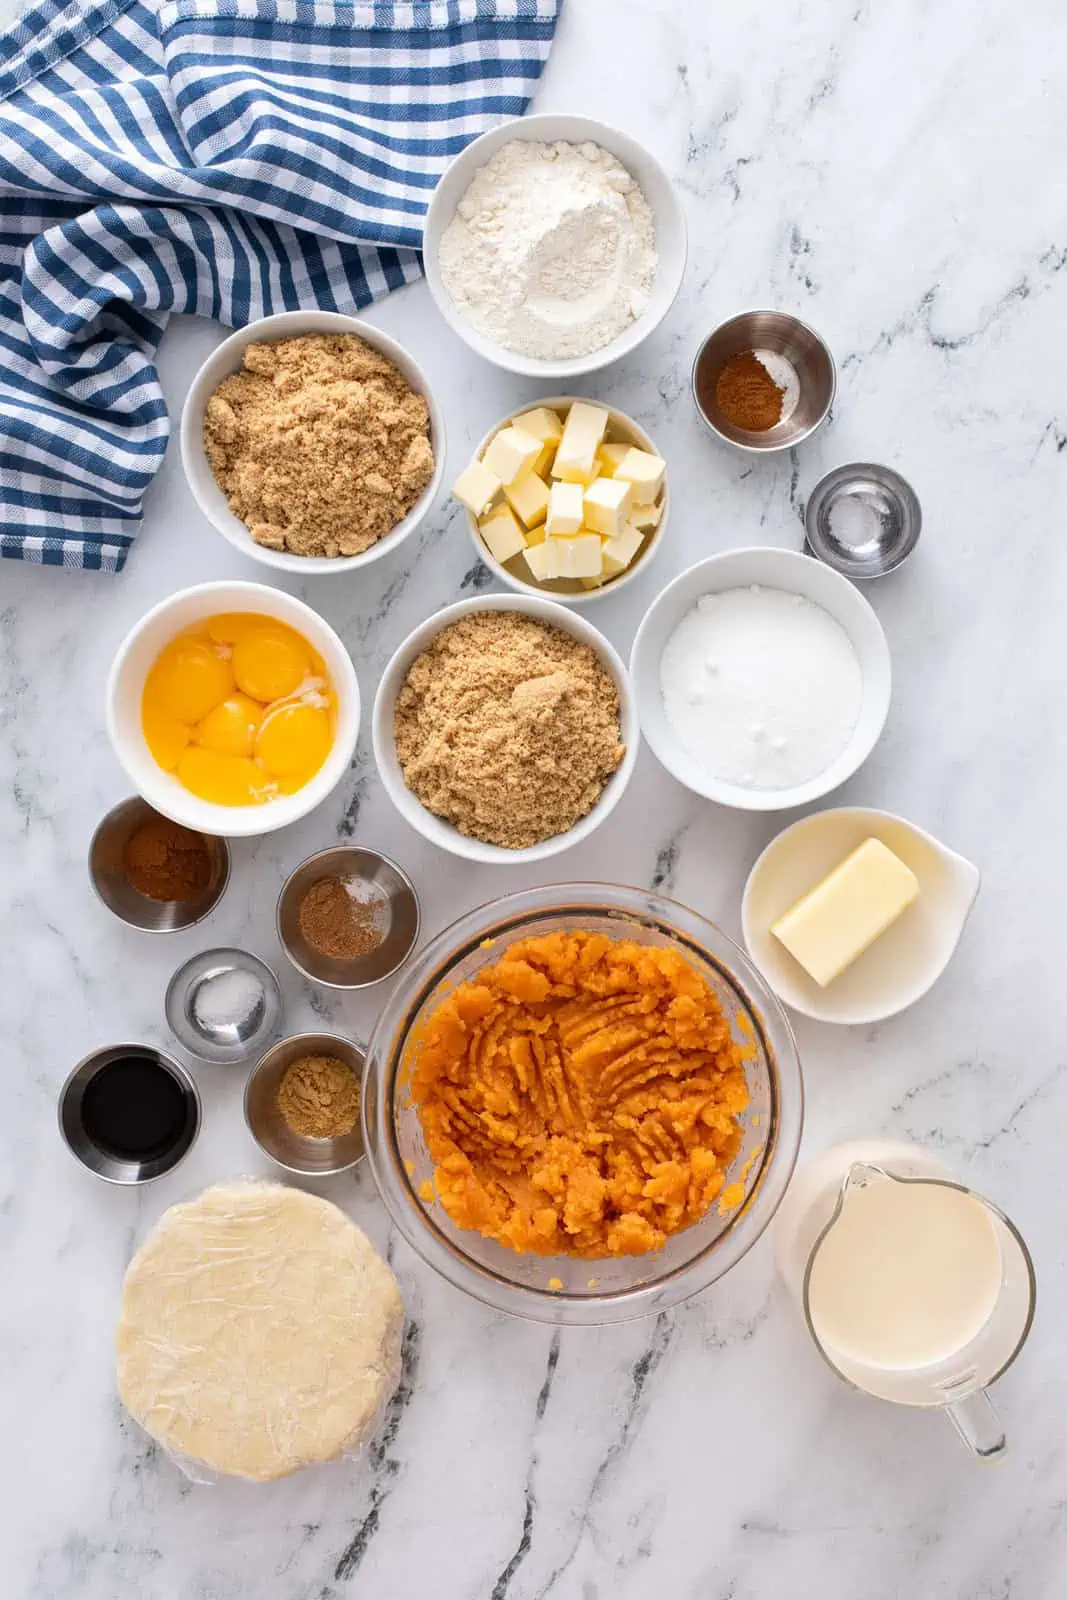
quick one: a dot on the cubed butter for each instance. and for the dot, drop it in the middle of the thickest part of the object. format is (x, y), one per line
(605, 503)
(510, 453)
(577, 558)
(583, 432)
(542, 422)
(844, 914)
(539, 559)
(528, 498)
(621, 550)
(564, 509)
(476, 488)
(645, 471)
(536, 535)
(645, 517)
(502, 535)
(608, 458)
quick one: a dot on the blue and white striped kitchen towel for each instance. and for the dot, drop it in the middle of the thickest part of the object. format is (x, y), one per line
(226, 157)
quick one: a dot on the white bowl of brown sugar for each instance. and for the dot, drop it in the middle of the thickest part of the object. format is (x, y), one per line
(311, 442)
(505, 729)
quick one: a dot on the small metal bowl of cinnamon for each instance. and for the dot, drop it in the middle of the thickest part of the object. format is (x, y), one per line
(348, 917)
(764, 381)
(153, 873)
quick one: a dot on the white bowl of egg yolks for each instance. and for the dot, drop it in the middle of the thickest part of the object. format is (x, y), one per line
(140, 652)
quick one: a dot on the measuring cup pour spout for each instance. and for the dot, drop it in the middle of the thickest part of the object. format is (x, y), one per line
(921, 1292)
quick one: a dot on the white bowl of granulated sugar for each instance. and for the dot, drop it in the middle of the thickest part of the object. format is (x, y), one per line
(228, 359)
(554, 245)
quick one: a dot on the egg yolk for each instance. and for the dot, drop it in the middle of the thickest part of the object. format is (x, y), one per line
(240, 709)
(231, 727)
(224, 780)
(294, 740)
(189, 678)
(271, 663)
(165, 736)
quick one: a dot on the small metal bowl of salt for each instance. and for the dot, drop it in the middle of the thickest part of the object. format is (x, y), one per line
(384, 910)
(223, 1005)
(863, 520)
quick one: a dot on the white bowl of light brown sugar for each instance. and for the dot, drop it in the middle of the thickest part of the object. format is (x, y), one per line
(312, 443)
(505, 729)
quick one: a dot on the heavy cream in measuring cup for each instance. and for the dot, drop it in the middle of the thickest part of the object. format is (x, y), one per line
(906, 1277)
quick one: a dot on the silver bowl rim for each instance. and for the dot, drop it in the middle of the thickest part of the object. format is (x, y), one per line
(862, 571)
(257, 1067)
(223, 885)
(768, 449)
(184, 1077)
(361, 983)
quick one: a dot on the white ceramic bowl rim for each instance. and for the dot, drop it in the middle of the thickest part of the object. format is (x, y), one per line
(658, 191)
(123, 707)
(435, 828)
(651, 546)
(774, 569)
(226, 359)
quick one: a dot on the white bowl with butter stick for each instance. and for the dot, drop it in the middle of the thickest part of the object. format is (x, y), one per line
(565, 498)
(859, 937)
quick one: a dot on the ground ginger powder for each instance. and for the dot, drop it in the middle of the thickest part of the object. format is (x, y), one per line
(580, 1096)
(508, 728)
(319, 444)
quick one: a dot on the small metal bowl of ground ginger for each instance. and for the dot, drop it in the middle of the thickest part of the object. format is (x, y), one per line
(154, 874)
(348, 917)
(302, 1104)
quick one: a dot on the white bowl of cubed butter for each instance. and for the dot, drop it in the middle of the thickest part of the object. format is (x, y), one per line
(566, 498)
(853, 914)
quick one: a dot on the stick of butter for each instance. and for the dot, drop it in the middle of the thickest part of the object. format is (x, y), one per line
(844, 914)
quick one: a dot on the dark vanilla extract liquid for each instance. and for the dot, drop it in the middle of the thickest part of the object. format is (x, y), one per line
(134, 1110)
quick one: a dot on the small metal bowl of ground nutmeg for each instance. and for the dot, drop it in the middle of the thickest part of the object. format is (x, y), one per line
(348, 917)
(154, 874)
(312, 443)
(302, 1104)
(764, 381)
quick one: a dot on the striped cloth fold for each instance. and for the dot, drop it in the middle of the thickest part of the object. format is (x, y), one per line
(231, 158)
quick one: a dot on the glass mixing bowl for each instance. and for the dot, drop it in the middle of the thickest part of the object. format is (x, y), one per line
(614, 1289)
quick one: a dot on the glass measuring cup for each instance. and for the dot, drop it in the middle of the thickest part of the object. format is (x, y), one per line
(955, 1382)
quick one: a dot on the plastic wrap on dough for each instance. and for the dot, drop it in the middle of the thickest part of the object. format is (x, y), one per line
(259, 1332)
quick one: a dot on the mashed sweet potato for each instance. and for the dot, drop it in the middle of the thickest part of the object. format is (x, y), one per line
(579, 1097)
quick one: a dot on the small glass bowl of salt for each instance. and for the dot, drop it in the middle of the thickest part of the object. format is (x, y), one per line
(223, 1005)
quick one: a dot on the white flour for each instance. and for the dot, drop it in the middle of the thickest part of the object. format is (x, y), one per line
(763, 688)
(552, 250)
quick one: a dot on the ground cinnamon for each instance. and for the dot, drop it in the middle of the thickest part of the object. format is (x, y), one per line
(747, 395)
(342, 919)
(165, 861)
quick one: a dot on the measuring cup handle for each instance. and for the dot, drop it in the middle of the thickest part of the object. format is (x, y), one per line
(975, 1419)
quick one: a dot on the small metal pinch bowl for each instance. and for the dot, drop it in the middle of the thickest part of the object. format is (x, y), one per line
(797, 359)
(298, 1152)
(108, 876)
(388, 889)
(197, 1011)
(863, 519)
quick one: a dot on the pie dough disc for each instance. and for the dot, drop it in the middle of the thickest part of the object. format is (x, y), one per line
(259, 1331)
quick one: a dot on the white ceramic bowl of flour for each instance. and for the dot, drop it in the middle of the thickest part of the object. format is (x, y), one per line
(667, 215)
(791, 574)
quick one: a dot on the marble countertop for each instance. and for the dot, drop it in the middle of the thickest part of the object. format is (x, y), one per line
(894, 174)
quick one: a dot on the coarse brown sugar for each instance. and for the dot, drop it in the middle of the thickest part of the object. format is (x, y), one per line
(319, 443)
(508, 728)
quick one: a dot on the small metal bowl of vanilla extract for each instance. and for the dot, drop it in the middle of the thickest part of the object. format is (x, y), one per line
(129, 1113)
